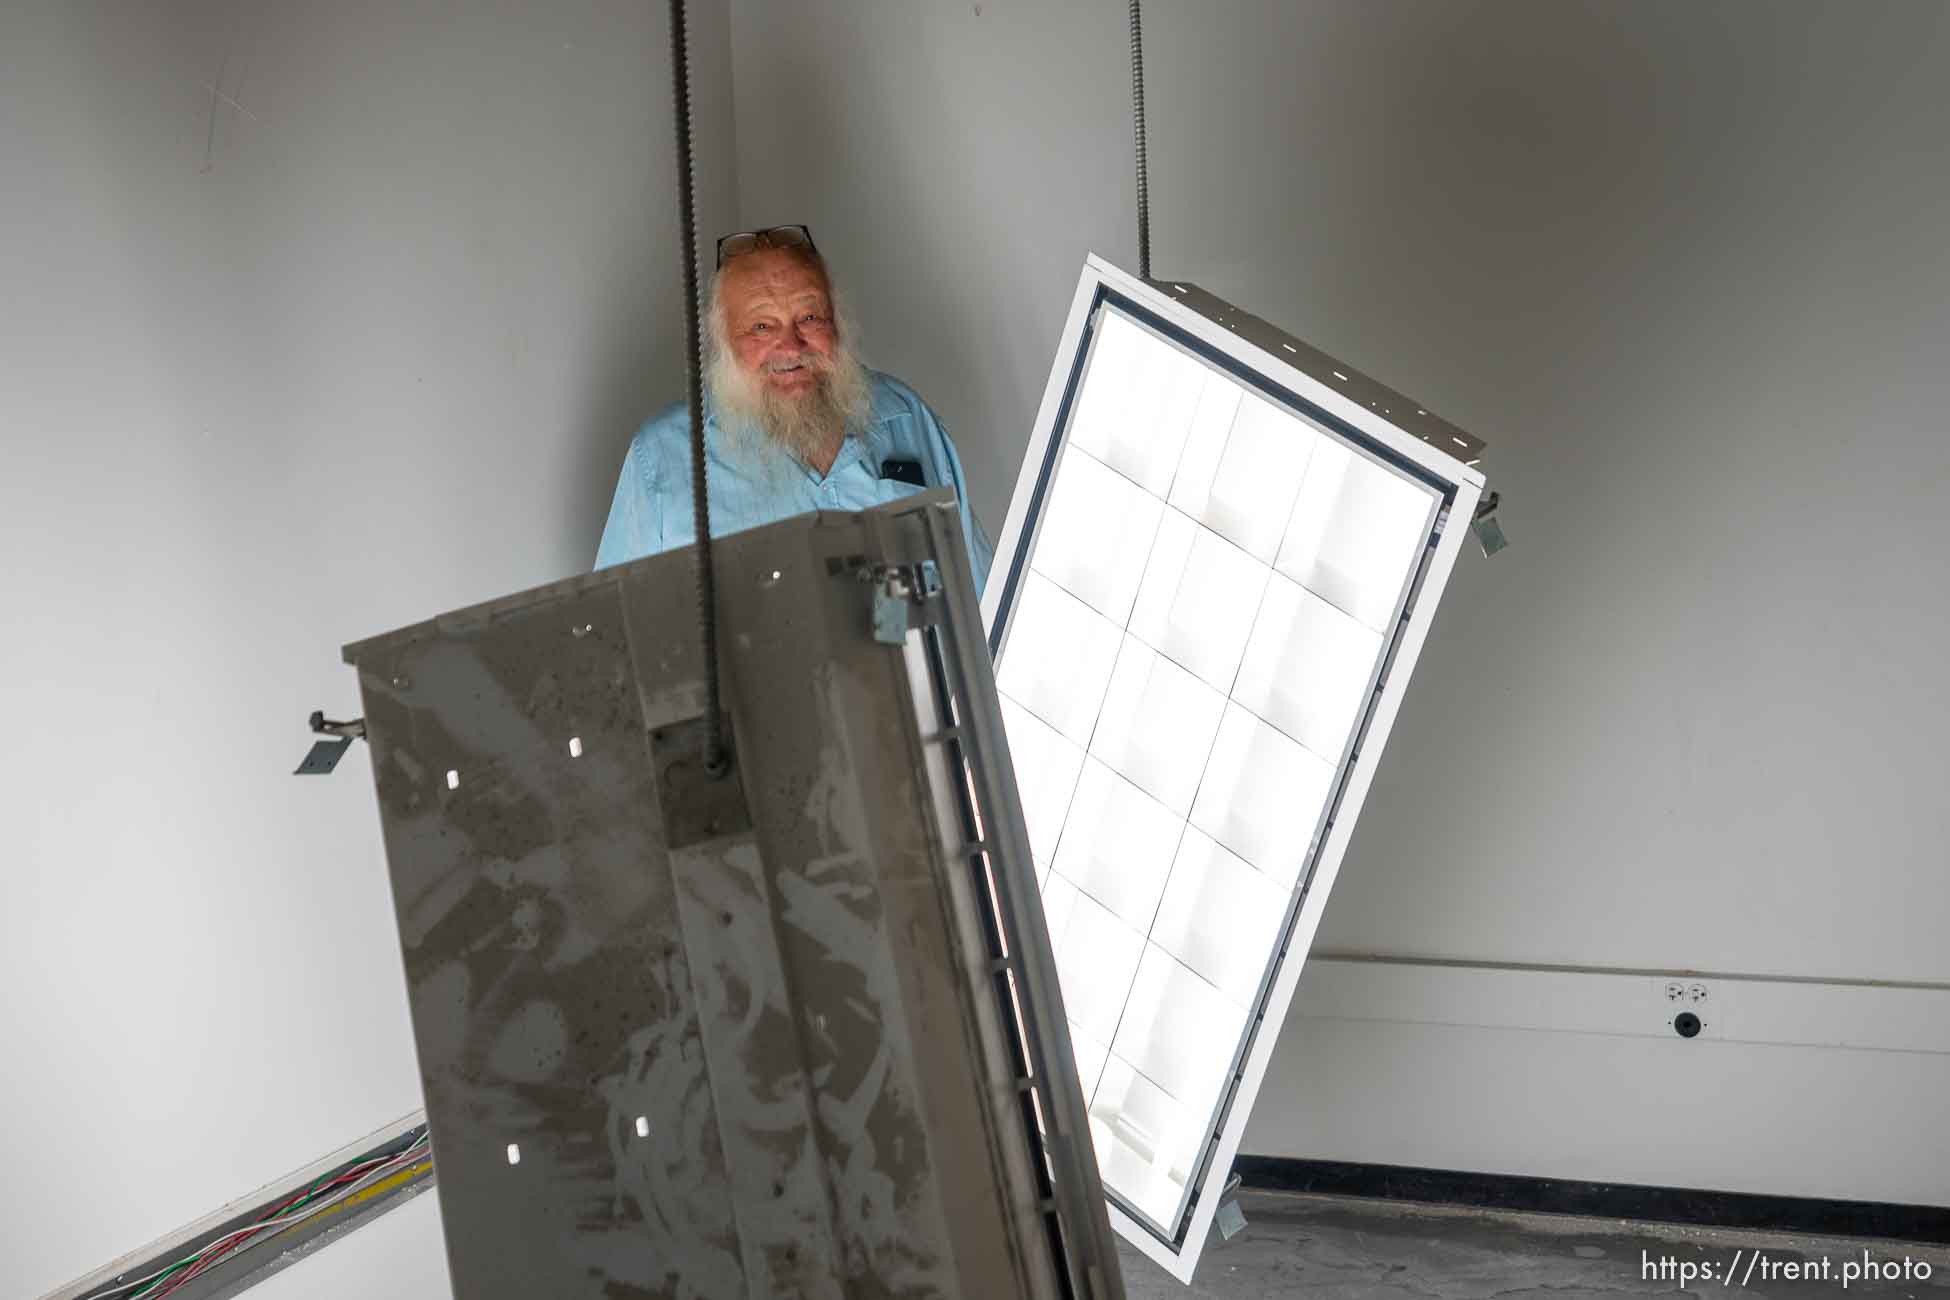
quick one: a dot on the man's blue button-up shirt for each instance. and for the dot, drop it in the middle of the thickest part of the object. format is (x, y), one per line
(652, 509)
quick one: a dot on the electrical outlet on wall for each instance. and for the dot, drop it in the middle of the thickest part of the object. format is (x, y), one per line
(1683, 1005)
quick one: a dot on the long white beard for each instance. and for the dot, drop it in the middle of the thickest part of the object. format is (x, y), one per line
(758, 422)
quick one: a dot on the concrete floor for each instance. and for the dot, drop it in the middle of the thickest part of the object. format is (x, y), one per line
(1331, 1248)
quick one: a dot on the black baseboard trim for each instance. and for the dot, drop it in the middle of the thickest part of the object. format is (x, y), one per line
(1681, 1205)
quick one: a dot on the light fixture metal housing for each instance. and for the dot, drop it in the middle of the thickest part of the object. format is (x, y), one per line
(1222, 558)
(795, 1031)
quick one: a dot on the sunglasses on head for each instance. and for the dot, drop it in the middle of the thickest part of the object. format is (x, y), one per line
(750, 241)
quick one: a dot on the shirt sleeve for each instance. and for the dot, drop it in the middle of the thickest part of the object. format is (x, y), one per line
(944, 470)
(634, 522)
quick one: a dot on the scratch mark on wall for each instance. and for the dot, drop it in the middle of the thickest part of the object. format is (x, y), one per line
(210, 133)
(228, 102)
(220, 99)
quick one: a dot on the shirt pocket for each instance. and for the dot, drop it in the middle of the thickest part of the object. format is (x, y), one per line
(863, 486)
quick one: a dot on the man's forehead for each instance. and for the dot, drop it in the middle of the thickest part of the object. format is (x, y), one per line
(770, 274)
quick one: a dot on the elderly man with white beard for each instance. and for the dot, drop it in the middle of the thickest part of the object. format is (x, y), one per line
(793, 422)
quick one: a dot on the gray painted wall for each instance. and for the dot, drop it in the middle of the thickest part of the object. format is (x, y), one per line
(365, 342)
(1684, 266)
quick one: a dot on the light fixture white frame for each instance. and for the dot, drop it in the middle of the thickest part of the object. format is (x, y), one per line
(1357, 411)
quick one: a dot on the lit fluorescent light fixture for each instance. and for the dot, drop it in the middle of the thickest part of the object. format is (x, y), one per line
(1222, 558)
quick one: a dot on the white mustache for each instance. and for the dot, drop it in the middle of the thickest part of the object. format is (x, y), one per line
(807, 360)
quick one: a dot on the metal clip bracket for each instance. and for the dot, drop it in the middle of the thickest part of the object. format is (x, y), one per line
(1489, 533)
(324, 755)
(1229, 1218)
(901, 598)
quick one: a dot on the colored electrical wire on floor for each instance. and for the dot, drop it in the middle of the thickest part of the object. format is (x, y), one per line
(321, 1198)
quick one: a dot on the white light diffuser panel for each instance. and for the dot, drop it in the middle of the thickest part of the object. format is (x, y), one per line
(1221, 561)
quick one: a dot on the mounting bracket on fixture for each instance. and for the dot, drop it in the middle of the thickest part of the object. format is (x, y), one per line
(324, 755)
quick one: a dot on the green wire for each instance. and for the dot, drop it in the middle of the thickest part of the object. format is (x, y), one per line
(277, 1213)
(162, 1277)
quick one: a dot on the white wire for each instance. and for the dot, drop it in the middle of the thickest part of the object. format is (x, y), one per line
(251, 1229)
